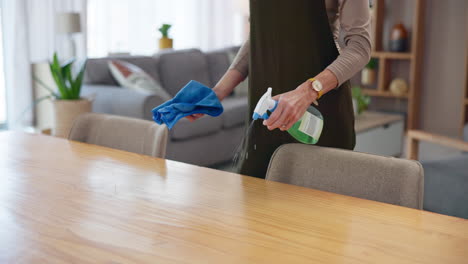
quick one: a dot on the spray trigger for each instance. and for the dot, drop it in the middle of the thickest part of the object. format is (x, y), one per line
(265, 104)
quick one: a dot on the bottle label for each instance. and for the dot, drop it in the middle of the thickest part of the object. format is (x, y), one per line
(311, 125)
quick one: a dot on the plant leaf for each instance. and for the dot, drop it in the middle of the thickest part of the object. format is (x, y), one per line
(41, 83)
(68, 79)
(59, 81)
(164, 29)
(56, 62)
(79, 81)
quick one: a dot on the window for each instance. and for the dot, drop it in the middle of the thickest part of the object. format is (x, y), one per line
(131, 26)
(3, 108)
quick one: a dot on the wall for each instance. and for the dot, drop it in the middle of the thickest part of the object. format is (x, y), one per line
(444, 66)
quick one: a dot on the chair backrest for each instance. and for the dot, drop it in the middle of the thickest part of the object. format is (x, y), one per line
(383, 179)
(133, 135)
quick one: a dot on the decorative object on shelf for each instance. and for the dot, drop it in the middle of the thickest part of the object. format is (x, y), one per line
(398, 87)
(385, 12)
(67, 103)
(368, 73)
(360, 100)
(69, 24)
(399, 38)
(165, 42)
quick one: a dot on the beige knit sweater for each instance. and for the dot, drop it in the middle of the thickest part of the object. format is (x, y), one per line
(349, 19)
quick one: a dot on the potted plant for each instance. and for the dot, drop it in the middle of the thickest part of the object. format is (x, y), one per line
(360, 101)
(165, 42)
(368, 73)
(67, 102)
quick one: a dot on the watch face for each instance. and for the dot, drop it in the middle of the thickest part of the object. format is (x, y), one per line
(317, 86)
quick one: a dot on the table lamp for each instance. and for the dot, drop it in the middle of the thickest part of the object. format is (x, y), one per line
(69, 24)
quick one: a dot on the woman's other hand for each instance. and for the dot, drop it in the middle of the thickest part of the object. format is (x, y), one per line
(291, 107)
(194, 117)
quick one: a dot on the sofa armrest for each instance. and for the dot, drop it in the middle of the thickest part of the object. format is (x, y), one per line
(414, 136)
(116, 100)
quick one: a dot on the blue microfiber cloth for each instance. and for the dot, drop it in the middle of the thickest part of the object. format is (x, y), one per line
(194, 98)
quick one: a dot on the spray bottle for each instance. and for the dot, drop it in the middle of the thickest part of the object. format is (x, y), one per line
(307, 130)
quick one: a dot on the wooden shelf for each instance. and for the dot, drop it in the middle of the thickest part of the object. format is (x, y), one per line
(392, 55)
(386, 59)
(374, 92)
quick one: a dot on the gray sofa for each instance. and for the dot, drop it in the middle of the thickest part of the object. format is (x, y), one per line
(446, 184)
(206, 142)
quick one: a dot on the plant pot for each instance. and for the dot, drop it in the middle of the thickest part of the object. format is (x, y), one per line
(367, 76)
(165, 43)
(65, 113)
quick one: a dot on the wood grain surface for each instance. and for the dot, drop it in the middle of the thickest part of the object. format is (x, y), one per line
(68, 202)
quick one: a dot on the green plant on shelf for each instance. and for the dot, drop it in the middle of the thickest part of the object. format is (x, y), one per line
(372, 64)
(362, 100)
(164, 29)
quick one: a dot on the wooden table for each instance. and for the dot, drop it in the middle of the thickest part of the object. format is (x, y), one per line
(67, 202)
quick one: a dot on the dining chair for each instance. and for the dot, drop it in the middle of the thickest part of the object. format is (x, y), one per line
(129, 134)
(384, 179)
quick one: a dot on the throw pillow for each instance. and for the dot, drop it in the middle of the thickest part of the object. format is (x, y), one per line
(133, 77)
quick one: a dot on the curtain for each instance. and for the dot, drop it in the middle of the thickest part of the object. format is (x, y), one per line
(44, 41)
(16, 61)
(29, 37)
(131, 26)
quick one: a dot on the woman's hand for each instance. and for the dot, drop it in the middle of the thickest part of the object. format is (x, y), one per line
(291, 107)
(194, 117)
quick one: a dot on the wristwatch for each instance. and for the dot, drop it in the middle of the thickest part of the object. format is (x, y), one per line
(317, 86)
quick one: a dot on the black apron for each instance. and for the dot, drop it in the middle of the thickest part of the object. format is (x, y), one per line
(290, 42)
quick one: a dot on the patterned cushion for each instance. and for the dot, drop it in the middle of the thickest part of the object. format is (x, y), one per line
(132, 77)
(97, 70)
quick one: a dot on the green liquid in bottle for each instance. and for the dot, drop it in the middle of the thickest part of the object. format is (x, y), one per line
(308, 129)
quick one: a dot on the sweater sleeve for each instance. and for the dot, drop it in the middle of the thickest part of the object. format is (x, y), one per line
(355, 23)
(241, 61)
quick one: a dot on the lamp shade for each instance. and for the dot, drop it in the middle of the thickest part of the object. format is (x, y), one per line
(68, 23)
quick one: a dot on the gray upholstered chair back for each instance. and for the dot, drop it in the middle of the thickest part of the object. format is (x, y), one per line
(133, 135)
(383, 179)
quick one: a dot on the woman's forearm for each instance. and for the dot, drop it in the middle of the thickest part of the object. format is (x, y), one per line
(328, 79)
(355, 27)
(226, 85)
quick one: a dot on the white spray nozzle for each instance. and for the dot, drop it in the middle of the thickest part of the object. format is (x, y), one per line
(266, 103)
